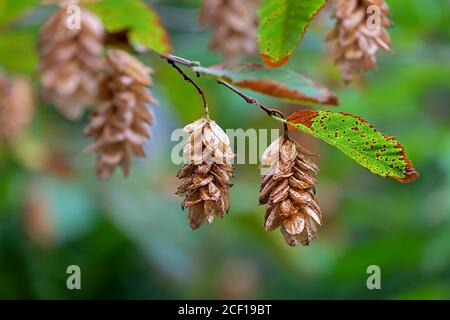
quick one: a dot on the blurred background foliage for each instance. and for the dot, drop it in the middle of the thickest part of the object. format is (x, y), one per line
(130, 237)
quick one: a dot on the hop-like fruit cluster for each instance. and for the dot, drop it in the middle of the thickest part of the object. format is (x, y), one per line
(355, 39)
(70, 60)
(16, 106)
(234, 24)
(207, 172)
(120, 123)
(288, 189)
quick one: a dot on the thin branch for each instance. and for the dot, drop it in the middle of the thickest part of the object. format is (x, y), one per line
(189, 79)
(180, 60)
(250, 100)
(174, 60)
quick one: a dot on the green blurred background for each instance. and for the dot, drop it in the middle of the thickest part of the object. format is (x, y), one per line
(130, 237)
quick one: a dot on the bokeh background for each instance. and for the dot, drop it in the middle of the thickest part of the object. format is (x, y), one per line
(130, 237)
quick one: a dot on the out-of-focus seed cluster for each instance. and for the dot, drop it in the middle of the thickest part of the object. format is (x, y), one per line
(16, 106)
(355, 40)
(70, 61)
(120, 123)
(234, 24)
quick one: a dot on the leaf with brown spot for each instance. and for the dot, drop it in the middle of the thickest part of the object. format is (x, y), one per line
(358, 139)
(280, 83)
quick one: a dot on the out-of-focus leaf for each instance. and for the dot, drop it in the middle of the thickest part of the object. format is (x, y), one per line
(387, 252)
(17, 53)
(280, 83)
(145, 218)
(30, 151)
(431, 291)
(436, 256)
(143, 24)
(358, 139)
(11, 9)
(282, 26)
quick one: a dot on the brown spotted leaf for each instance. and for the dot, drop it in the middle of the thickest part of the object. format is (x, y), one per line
(359, 140)
(280, 83)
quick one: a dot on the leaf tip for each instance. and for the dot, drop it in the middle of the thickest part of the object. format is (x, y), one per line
(274, 63)
(332, 100)
(165, 39)
(410, 175)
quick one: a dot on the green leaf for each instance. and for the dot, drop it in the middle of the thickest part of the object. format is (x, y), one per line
(359, 140)
(280, 83)
(18, 54)
(282, 26)
(143, 24)
(388, 252)
(11, 9)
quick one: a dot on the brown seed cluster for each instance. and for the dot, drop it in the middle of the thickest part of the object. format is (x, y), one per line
(70, 60)
(16, 106)
(288, 189)
(356, 37)
(120, 123)
(234, 24)
(207, 174)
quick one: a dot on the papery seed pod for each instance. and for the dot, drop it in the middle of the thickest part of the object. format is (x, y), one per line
(16, 107)
(234, 24)
(289, 191)
(356, 37)
(70, 60)
(207, 172)
(120, 123)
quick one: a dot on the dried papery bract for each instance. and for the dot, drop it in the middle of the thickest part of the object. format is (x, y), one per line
(234, 24)
(120, 123)
(288, 189)
(16, 107)
(359, 32)
(70, 59)
(206, 173)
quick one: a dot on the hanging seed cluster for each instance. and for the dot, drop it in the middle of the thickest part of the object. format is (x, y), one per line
(16, 107)
(206, 177)
(120, 123)
(70, 61)
(234, 24)
(288, 189)
(355, 40)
